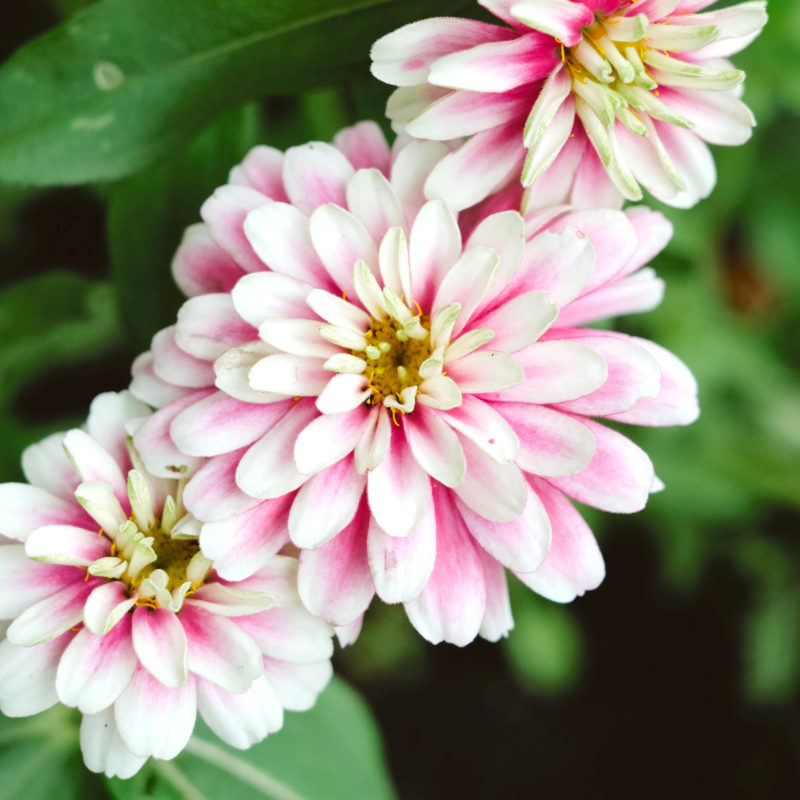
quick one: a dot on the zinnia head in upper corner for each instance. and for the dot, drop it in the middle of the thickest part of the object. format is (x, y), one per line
(636, 86)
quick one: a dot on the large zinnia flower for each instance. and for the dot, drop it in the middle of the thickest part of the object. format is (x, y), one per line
(395, 398)
(114, 609)
(647, 82)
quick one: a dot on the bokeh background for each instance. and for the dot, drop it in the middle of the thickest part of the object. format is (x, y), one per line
(678, 677)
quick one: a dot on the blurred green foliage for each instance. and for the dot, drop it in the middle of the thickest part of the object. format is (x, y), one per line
(731, 312)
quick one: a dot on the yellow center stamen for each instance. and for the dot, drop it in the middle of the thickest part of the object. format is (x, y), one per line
(393, 358)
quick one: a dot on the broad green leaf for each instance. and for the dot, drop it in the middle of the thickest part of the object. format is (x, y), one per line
(331, 752)
(40, 760)
(54, 319)
(125, 82)
(148, 213)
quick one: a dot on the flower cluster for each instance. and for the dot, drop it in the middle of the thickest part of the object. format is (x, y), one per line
(382, 382)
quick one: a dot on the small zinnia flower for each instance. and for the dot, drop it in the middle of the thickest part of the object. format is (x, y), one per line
(396, 398)
(647, 82)
(115, 611)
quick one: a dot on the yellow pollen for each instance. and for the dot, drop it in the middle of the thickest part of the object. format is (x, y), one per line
(393, 358)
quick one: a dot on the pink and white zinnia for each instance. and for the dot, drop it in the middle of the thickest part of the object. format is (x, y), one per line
(115, 611)
(643, 82)
(399, 403)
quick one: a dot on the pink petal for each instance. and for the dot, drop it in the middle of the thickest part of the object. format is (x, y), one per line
(109, 415)
(219, 650)
(240, 720)
(364, 146)
(177, 367)
(481, 423)
(479, 167)
(497, 621)
(410, 169)
(212, 493)
(159, 452)
(23, 508)
(201, 266)
(290, 375)
(269, 295)
(404, 56)
(653, 232)
(466, 283)
(314, 174)
(106, 606)
(297, 685)
(330, 437)
(242, 543)
(154, 720)
(632, 372)
(208, 325)
(435, 446)
(225, 213)
(521, 544)
(52, 616)
(94, 670)
(398, 489)
(92, 462)
(262, 170)
(47, 467)
(618, 477)
(401, 566)
(519, 322)
(160, 644)
(496, 66)
(148, 387)
(66, 544)
(561, 19)
(676, 403)
(219, 424)
(371, 199)
(334, 580)
(495, 491)
(341, 239)
(434, 245)
(325, 504)
(574, 563)
(452, 604)
(613, 237)
(26, 582)
(289, 634)
(103, 749)
(486, 371)
(265, 470)
(716, 117)
(279, 233)
(556, 372)
(28, 676)
(550, 443)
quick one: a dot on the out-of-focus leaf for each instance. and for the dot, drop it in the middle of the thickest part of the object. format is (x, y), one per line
(331, 752)
(57, 318)
(771, 655)
(125, 82)
(148, 213)
(39, 757)
(545, 648)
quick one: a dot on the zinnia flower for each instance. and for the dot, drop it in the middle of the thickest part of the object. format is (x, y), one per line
(646, 82)
(114, 609)
(396, 399)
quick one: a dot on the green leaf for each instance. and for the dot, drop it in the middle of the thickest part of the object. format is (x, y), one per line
(331, 752)
(39, 757)
(125, 82)
(54, 319)
(148, 213)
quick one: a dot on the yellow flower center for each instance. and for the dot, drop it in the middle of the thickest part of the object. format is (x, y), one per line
(393, 358)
